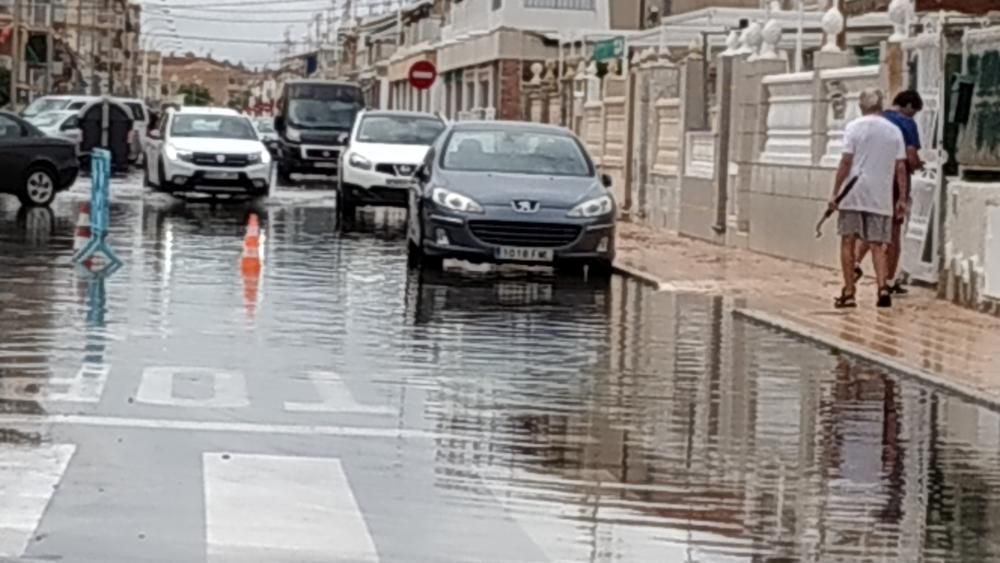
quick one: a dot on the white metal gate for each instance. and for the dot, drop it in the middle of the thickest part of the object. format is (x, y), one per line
(920, 241)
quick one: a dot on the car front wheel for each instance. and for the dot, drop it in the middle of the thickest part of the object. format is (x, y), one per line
(39, 187)
(601, 268)
(161, 181)
(346, 207)
(284, 176)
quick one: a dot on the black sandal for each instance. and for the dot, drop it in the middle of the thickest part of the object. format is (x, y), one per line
(884, 298)
(845, 301)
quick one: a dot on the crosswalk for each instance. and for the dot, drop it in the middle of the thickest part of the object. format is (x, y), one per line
(258, 508)
(29, 476)
(315, 518)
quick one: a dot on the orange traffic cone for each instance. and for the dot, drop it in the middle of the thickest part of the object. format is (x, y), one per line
(83, 233)
(250, 264)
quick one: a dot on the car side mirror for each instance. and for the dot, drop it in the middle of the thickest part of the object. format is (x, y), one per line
(154, 134)
(606, 181)
(279, 123)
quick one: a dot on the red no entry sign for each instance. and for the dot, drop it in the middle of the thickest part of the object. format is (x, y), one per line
(423, 74)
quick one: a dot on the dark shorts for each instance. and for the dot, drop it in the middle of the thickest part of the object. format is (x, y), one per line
(869, 227)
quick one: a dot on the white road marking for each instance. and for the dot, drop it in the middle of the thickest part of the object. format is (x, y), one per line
(9, 421)
(335, 395)
(229, 388)
(28, 479)
(87, 386)
(278, 509)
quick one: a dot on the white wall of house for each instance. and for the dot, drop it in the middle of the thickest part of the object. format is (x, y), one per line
(529, 15)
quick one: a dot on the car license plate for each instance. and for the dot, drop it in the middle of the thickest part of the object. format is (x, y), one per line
(525, 254)
(326, 165)
(512, 293)
(398, 183)
(221, 175)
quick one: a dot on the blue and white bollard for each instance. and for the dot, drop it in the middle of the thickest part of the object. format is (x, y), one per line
(100, 211)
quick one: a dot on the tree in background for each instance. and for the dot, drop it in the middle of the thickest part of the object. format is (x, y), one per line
(239, 101)
(195, 95)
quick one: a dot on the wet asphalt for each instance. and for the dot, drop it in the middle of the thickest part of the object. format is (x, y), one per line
(341, 406)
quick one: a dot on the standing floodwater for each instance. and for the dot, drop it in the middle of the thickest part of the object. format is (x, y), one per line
(337, 405)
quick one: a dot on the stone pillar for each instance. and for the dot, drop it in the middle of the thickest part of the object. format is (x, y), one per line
(694, 95)
(509, 106)
(893, 70)
(821, 98)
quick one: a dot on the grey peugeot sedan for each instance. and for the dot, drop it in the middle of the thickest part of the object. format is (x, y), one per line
(495, 191)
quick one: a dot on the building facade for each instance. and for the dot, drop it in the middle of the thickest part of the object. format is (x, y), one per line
(225, 81)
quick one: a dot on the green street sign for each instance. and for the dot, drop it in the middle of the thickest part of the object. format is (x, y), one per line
(609, 49)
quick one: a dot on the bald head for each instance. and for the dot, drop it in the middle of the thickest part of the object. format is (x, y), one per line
(871, 101)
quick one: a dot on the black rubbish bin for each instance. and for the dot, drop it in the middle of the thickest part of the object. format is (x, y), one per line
(106, 124)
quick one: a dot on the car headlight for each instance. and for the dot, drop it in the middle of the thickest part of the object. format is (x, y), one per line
(259, 157)
(454, 201)
(174, 154)
(359, 161)
(293, 134)
(596, 207)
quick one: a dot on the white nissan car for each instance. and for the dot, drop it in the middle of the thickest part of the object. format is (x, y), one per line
(207, 151)
(384, 152)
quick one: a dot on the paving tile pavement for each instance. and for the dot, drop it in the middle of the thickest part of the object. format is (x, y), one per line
(923, 336)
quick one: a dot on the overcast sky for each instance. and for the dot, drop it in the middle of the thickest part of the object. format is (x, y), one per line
(255, 20)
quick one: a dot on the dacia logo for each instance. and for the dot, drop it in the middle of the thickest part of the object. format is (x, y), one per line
(220, 158)
(525, 206)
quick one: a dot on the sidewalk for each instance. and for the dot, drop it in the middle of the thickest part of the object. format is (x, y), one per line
(944, 344)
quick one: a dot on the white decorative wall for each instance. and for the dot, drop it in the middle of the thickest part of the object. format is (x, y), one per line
(789, 118)
(699, 159)
(991, 261)
(842, 88)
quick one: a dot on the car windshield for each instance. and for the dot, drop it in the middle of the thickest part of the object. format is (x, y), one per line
(212, 127)
(400, 130)
(48, 119)
(322, 114)
(44, 105)
(515, 152)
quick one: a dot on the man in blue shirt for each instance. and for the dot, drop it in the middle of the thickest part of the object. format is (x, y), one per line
(904, 108)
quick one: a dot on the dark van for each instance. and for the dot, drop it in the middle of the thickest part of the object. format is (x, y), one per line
(314, 120)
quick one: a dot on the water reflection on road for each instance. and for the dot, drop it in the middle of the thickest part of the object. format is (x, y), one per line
(510, 416)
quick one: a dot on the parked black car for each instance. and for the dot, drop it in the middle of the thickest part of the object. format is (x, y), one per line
(34, 167)
(494, 191)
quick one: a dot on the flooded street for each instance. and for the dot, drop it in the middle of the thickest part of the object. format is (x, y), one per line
(340, 406)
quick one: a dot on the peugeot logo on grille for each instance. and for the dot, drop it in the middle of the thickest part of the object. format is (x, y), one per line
(525, 206)
(220, 158)
(404, 170)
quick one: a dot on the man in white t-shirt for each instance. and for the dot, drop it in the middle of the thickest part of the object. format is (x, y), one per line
(874, 152)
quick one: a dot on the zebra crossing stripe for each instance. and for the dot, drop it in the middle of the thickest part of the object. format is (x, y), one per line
(28, 479)
(278, 509)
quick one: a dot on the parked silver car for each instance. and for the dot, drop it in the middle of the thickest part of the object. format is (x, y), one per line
(492, 191)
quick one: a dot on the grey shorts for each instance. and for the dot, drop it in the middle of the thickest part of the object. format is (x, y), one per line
(867, 226)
